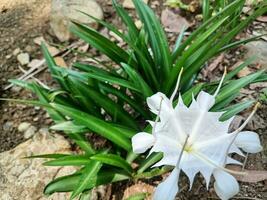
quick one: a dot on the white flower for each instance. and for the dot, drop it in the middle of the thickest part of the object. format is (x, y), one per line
(193, 139)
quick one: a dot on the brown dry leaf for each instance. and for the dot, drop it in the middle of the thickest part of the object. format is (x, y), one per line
(173, 22)
(60, 61)
(250, 176)
(262, 18)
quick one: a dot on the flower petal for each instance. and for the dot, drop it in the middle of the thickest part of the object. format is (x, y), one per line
(225, 185)
(205, 100)
(248, 141)
(168, 189)
(142, 141)
(155, 100)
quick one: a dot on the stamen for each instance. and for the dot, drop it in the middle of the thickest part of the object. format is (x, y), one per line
(208, 161)
(182, 151)
(157, 118)
(240, 129)
(221, 82)
(177, 85)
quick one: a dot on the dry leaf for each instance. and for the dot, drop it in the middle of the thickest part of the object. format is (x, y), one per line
(250, 176)
(173, 22)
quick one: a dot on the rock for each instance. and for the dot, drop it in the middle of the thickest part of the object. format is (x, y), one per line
(138, 24)
(23, 126)
(138, 188)
(63, 11)
(259, 49)
(23, 58)
(60, 61)
(16, 51)
(7, 126)
(30, 132)
(52, 50)
(34, 63)
(39, 40)
(26, 178)
(173, 22)
(115, 36)
(129, 4)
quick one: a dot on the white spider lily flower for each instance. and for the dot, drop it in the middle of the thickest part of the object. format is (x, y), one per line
(201, 139)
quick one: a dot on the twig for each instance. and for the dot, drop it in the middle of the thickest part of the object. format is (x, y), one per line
(38, 67)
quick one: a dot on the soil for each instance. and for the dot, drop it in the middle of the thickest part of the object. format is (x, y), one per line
(21, 21)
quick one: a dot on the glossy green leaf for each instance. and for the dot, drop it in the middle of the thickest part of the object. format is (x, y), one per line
(73, 160)
(113, 160)
(97, 125)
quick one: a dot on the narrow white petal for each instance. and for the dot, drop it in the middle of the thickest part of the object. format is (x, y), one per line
(206, 173)
(155, 100)
(142, 141)
(225, 185)
(205, 100)
(233, 161)
(168, 189)
(248, 141)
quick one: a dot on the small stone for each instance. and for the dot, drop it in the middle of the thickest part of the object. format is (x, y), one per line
(138, 24)
(8, 56)
(83, 48)
(30, 132)
(28, 48)
(23, 126)
(60, 61)
(244, 72)
(23, 58)
(16, 51)
(7, 126)
(129, 4)
(115, 36)
(53, 50)
(34, 63)
(39, 40)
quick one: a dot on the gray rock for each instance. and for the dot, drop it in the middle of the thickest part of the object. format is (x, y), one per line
(26, 178)
(63, 11)
(23, 126)
(23, 58)
(258, 49)
(30, 132)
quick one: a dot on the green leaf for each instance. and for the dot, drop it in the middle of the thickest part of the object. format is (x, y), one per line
(138, 80)
(91, 171)
(69, 126)
(234, 86)
(101, 43)
(68, 183)
(138, 196)
(97, 125)
(104, 77)
(113, 160)
(235, 109)
(157, 37)
(72, 160)
(148, 162)
(120, 94)
(48, 156)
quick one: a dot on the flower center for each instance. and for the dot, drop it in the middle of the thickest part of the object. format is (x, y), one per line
(188, 148)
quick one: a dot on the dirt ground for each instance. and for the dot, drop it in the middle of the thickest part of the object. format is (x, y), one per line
(21, 21)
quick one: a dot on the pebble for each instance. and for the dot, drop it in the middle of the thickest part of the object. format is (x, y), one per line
(23, 126)
(23, 58)
(16, 51)
(7, 126)
(34, 63)
(60, 61)
(129, 4)
(39, 40)
(30, 132)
